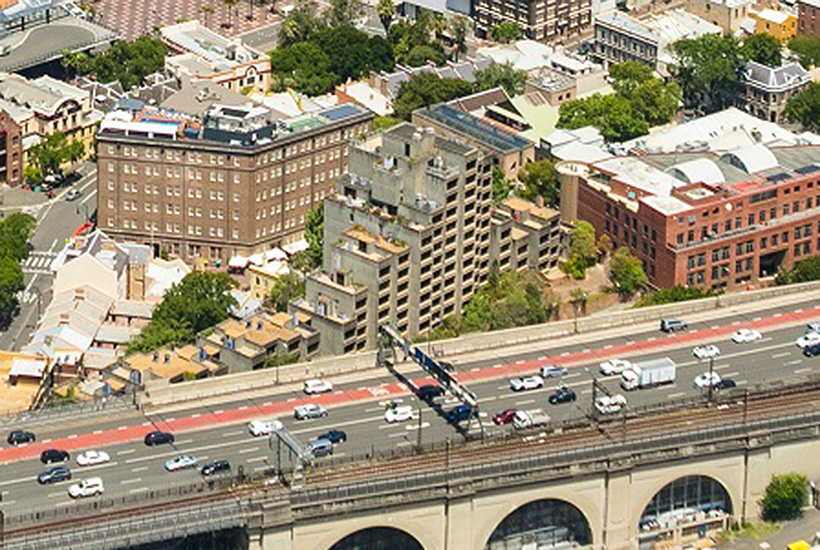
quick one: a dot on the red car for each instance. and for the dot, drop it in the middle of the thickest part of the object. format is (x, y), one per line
(505, 416)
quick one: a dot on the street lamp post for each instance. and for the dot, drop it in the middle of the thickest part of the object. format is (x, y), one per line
(711, 375)
(418, 435)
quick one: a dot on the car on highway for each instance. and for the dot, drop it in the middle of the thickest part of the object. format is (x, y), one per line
(746, 335)
(614, 366)
(54, 455)
(673, 325)
(259, 428)
(158, 438)
(459, 413)
(403, 413)
(527, 383)
(706, 379)
(92, 458)
(814, 326)
(553, 371)
(429, 392)
(316, 386)
(18, 437)
(812, 350)
(808, 339)
(211, 468)
(181, 462)
(610, 404)
(562, 394)
(725, 384)
(334, 436)
(86, 488)
(54, 475)
(309, 410)
(708, 351)
(504, 417)
(73, 195)
(320, 447)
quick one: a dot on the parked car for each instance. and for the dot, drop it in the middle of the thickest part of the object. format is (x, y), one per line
(402, 413)
(215, 467)
(54, 475)
(320, 447)
(614, 366)
(745, 335)
(92, 458)
(673, 325)
(334, 436)
(180, 462)
(504, 417)
(553, 371)
(459, 413)
(709, 351)
(86, 488)
(562, 394)
(18, 437)
(526, 383)
(158, 438)
(706, 379)
(53, 455)
(73, 195)
(315, 386)
(429, 392)
(259, 428)
(309, 410)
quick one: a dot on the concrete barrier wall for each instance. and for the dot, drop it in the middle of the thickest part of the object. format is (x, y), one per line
(161, 393)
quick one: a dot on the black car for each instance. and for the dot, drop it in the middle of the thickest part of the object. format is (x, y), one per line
(18, 437)
(725, 384)
(429, 392)
(562, 395)
(215, 467)
(55, 474)
(53, 455)
(812, 350)
(158, 438)
(334, 436)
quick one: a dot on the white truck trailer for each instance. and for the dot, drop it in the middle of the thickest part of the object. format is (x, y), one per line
(530, 419)
(647, 374)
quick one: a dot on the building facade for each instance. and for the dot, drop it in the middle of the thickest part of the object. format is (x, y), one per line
(543, 20)
(768, 89)
(233, 183)
(780, 24)
(619, 38)
(727, 14)
(808, 17)
(11, 150)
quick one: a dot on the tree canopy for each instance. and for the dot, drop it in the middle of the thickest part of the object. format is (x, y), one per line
(504, 75)
(709, 70)
(286, 288)
(425, 89)
(807, 48)
(804, 108)
(501, 187)
(673, 294)
(539, 179)
(50, 153)
(583, 252)
(314, 234)
(506, 32)
(626, 273)
(763, 48)
(785, 497)
(613, 115)
(128, 62)
(801, 272)
(15, 232)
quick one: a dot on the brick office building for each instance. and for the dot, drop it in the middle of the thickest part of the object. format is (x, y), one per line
(707, 219)
(542, 20)
(808, 17)
(234, 183)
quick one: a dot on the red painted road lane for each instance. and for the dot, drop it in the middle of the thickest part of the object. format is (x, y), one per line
(281, 408)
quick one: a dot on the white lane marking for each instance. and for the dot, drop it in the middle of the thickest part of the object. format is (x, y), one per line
(256, 459)
(779, 355)
(197, 415)
(57, 494)
(137, 490)
(140, 469)
(126, 452)
(801, 371)
(525, 402)
(231, 434)
(795, 362)
(251, 450)
(678, 394)
(129, 481)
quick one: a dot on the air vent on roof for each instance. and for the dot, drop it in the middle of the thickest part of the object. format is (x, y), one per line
(810, 169)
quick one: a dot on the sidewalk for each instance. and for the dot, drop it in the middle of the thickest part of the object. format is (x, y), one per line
(789, 532)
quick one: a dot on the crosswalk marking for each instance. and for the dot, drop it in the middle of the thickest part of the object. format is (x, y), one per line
(39, 262)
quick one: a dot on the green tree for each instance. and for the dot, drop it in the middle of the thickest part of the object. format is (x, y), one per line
(709, 70)
(11, 283)
(315, 234)
(459, 28)
(303, 66)
(506, 32)
(51, 152)
(229, 6)
(343, 13)
(501, 187)
(301, 23)
(351, 53)
(386, 10)
(651, 98)
(285, 289)
(801, 272)
(579, 298)
(605, 245)
(421, 55)
(804, 108)
(673, 294)
(15, 232)
(539, 179)
(207, 10)
(425, 89)
(384, 122)
(127, 62)
(626, 77)
(613, 115)
(501, 74)
(763, 48)
(785, 497)
(807, 48)
(582, 241)
(626, 273)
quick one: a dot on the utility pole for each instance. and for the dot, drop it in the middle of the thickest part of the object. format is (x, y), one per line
(418, 435)
(711, 381)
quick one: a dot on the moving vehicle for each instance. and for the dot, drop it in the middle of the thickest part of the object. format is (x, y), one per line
(504, 417)
(673, 325)
(86, 488)
(92, 458)
(309, 410)
(459, 413)
(647, 374)
(180, 462)
(259, 428)
(215, 467)
(334, 436)
(53, 455)
(54, 475)
(73, 195)
(527, 383)
(814, 326)
(402, 413)
(812, 350)
(530, 419)
(429, 392)
(315, 386)
(553, 371)
(18, 437)
(745, 335)
(614, 366)
(158, 438)
(320, 447)
(610, 404)
(725, 384)
(708, 351)
(808, 339)
(562, 394)
(706, 379)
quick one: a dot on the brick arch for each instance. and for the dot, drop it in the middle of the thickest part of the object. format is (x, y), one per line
(411, 528)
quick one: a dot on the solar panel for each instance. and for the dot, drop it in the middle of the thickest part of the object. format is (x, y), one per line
(478, 129)
(340, 112)
(809, 169)
(778, 177)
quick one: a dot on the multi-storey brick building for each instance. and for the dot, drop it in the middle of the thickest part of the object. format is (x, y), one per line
(619, 38)
(542, 20)
(808, 17)
(768, 89)
(234, 183)
(706, 219)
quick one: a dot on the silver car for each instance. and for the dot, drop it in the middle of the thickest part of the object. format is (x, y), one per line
(309, 410)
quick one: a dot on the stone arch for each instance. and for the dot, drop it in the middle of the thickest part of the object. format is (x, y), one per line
(378, 538)
(643, 499)
(548, 520)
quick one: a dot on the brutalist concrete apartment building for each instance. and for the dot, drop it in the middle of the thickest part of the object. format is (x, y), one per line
(542, 20)
(235, 182)
(409, 237)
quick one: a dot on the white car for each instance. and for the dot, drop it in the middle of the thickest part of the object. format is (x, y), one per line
(315, 386)
(706, 379)
(309, 410)
(814, 326)
(709, 351)
(746, 335)
(527, 383)
(180, 462)
(610, 404)
(399, 414)
(614, 366)
(86, 488)
(808, 339)
(259, 428)
(92, 458)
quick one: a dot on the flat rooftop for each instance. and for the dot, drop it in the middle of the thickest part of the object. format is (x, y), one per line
(477, 129)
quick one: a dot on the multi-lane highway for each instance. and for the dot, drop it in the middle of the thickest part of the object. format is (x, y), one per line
(357, 407)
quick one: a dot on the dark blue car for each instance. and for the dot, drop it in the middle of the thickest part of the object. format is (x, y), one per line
(462, 412)
(53, 475)
(334, 436)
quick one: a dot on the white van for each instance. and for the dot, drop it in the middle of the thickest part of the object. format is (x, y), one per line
(259, 428)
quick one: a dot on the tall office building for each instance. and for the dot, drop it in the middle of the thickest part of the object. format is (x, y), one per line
(543, 20)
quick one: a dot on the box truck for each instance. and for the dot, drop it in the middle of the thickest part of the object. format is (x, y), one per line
(647, 374)
(530, 419)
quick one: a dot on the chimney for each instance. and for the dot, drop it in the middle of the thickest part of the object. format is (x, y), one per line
(539, 201)
(64, 319)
